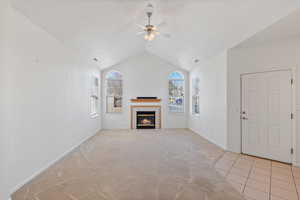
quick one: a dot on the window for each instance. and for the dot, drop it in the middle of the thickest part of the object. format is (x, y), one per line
(195, 96)
(114, 92)
(94, 98)
(176, 92)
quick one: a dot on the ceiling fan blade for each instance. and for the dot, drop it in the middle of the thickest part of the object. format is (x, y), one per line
(141, 26)
(166, 35)
(140, 33)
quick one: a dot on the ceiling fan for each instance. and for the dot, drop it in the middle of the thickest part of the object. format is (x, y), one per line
(149, 30)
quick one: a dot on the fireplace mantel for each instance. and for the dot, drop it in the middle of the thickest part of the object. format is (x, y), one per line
(145, 100)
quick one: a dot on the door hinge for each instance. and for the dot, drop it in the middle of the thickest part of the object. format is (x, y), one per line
(292, 81)
(292, 116)
(292, 151)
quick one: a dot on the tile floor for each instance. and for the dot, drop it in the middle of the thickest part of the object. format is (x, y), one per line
(160, 165)
(260, 179)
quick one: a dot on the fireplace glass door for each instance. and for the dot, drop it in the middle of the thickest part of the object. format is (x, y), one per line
(145, 120)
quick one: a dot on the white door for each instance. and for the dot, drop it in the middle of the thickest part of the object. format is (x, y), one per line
(266, 115)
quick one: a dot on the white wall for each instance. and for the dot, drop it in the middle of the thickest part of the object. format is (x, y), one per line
(266, 57)
(4, 189)
(48, 99)
(144, 75)
(211, 123)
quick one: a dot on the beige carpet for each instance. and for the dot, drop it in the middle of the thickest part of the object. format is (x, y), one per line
(136, 165)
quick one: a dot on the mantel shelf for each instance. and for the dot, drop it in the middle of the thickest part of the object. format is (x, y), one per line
(145, 100)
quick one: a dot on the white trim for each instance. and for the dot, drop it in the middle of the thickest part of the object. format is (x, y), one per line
(95, 115)
(294, 121)
(296, 164)
(294, 107)
(9, 198)
(47, 166)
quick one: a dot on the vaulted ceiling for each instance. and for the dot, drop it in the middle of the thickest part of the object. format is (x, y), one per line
(285, 29)
(199, 29)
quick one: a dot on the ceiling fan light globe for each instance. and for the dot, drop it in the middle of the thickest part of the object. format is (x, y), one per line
(146, 37)
(151, 37)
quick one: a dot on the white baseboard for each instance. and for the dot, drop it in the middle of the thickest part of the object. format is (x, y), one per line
(296, 164)
(16, 188)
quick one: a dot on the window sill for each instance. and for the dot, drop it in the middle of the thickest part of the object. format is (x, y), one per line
(93, 116)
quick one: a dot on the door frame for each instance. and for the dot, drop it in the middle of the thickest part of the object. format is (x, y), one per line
(293, 104)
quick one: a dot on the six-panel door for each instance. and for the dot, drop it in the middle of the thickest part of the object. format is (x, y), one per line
(266, 115)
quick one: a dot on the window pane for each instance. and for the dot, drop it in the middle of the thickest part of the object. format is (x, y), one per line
(196, 84)
(176, 92)
(114, 75)
(196, 106)
(94, 97)
(114, 104)
(114, 91)
(176, 104)
(176, 75)
(195, 96)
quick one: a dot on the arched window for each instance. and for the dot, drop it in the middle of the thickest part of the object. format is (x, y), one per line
(114, 92)
(195, 96)
(176, 92)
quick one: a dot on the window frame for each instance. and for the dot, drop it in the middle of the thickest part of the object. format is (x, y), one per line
(195, 94)
(110, 96)
(182, 111)
(95, 97)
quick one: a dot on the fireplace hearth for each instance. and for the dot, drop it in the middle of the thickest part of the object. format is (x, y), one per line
(145, 120)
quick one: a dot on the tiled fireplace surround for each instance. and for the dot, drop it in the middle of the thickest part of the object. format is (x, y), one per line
(146, 105)
(154, 108)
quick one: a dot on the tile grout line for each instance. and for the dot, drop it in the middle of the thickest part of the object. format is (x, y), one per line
(227, 173)
(296, 188)
(232, 165)
(219, 158)
(249, 173)
(280, 180)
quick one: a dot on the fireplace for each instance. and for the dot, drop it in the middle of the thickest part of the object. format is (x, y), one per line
(145, 120)
(145, 116)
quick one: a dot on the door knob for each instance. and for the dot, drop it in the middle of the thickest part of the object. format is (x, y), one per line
(244, 118)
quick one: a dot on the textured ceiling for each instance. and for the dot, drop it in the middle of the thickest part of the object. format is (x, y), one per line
(200, 29)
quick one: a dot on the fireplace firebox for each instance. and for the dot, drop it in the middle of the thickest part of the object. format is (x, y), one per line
(145, 120)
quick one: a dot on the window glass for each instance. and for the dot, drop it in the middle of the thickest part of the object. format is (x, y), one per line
(195, 96)
(176, 92)
(94, 98)
(114, 92)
